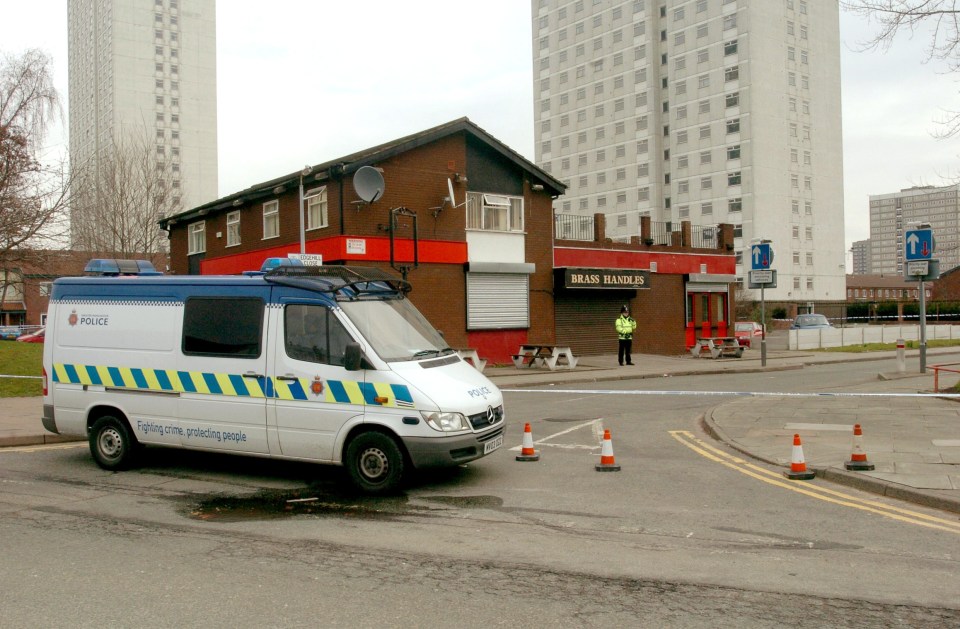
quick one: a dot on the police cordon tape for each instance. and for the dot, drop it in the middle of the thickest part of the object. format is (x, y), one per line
(694, 393)
(731, 393)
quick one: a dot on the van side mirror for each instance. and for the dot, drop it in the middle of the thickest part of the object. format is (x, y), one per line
(352, 357)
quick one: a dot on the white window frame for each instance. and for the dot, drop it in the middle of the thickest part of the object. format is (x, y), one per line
(494, 212)
(233, 228)
(271, 219)
(196, 237)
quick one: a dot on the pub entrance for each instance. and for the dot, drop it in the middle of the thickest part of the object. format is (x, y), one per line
(708, 307)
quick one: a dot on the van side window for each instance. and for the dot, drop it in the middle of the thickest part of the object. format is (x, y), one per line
(218, 326)
(314, 334)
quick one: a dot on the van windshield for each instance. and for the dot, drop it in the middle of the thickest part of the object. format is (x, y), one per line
(395, 329)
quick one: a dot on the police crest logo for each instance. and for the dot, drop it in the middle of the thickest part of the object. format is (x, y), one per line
(72, 319)
(317, 387)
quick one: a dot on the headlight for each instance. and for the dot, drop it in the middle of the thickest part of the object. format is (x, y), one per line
(445, 422)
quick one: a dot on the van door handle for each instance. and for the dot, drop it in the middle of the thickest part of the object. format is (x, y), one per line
(288, 378)
(250, 374)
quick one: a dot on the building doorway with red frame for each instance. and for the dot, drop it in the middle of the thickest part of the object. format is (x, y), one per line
(708, 309)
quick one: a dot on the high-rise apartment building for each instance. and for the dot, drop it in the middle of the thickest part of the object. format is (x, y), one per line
(146, 69)
(860, 253)
(712, 111)
(893, 214)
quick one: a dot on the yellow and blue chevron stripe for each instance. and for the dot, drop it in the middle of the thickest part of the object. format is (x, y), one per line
(234, 385)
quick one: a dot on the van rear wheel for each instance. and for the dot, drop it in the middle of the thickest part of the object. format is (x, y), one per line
(374, 462)
(111, 443)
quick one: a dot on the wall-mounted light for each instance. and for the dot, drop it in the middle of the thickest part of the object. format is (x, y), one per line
(278, 190)
(537, 187)
(237, 202)
(459, 178)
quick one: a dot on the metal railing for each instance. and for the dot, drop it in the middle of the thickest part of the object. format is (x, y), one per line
(573, 227)
(661, 233)
(936, 374)
(704, 236)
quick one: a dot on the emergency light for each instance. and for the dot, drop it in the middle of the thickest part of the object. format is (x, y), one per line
(112, 267)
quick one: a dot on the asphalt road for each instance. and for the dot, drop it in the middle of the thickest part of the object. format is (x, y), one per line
(682, 536)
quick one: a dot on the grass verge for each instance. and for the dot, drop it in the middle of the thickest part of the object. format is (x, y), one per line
(20, 359)
(880, 347)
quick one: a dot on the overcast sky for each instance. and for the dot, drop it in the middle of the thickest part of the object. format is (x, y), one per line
(300, 81)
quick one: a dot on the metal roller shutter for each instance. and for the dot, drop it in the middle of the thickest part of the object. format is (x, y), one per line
(497, 301)
(587, 324)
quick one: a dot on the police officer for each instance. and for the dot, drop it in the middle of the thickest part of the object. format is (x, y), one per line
(625, 327)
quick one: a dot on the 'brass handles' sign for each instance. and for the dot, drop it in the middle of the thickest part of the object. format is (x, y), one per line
(605, 278)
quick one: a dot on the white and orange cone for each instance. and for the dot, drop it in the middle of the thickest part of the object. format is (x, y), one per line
(798, 467)
(607, 463)
(527, 453)
(858, 458)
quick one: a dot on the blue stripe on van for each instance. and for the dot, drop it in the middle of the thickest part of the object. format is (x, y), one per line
(116, 380)
(296, 390)
(92, 374)
(239, 385)
(369, 393)
(164, 380)
(139, 379)
(402, 393)
(186, 381)
(339, 393)
(212, 383)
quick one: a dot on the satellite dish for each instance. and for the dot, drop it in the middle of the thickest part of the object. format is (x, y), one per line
(368, 183)
(453, 201)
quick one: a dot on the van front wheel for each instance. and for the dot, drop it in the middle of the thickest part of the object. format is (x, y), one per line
(111, 443)
(374, 462)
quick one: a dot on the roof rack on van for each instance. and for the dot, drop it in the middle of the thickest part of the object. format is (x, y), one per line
(361, 280)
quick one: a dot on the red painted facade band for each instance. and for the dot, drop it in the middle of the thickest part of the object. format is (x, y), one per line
(673, 262)
(365, 248)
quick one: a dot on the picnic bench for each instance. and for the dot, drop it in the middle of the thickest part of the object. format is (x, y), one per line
(717, 346)
(468, 354)
(544, 355)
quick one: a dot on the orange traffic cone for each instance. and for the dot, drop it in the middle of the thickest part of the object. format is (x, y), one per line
(798, 468)
(527, 453)
(858, 459)
(606, 455)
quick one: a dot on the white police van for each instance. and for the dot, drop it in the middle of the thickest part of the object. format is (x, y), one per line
(330, 364)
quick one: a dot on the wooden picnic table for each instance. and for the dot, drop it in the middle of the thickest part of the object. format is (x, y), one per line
(470, 355)
(544, 355)
(717, 346)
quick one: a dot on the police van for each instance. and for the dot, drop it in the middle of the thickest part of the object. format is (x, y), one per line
(329, 363)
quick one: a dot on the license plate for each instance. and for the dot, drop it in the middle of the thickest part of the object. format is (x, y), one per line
(490, 446)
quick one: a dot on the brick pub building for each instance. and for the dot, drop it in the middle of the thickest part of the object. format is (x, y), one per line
(487, 272)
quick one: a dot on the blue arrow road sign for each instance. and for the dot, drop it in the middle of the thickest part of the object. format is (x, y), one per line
(760, 256)
(919, 244)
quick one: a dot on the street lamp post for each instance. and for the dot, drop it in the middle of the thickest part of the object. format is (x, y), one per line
(303, 234)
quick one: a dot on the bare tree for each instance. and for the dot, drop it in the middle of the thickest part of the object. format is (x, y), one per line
(33, 194)
(941, 17)
(123, 200)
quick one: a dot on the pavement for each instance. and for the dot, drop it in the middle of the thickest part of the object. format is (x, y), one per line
(913, 442)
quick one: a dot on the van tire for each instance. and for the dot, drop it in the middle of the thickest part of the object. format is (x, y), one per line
(374, 462)
(111, 443)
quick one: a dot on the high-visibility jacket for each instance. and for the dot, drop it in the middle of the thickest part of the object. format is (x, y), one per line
(626, 326)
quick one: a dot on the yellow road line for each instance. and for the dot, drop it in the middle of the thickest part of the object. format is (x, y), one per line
(814, 491)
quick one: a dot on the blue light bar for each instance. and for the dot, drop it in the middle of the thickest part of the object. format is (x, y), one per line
(109, 266)
(272, 263)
